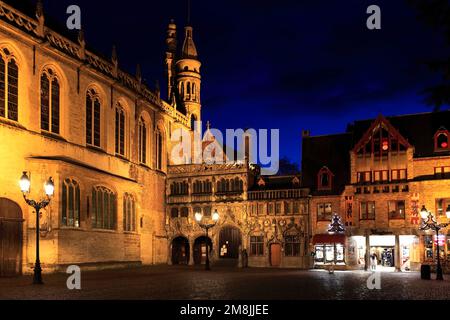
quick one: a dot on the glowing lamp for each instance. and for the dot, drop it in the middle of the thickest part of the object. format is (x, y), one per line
(25, 183)
(49, 187)
(198, 216)
(448, 212)
(385, 145)
(215, 216)
(424, 213)
(444, 145)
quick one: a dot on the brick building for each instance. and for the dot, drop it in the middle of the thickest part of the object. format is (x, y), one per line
(377, 176)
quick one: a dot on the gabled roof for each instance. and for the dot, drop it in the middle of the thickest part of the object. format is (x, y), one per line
(418, 130)
(369, 132)
(333, 152)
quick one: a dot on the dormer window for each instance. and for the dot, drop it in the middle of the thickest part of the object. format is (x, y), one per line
(325, 179)
(441, 141)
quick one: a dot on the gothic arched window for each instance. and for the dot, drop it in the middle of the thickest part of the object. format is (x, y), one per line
(93, 115)
(9, 86)
(159, 149)
(50, 102)
(129, 213)
(104, 209)
(142, 141)
(70, 210)
(120, 130)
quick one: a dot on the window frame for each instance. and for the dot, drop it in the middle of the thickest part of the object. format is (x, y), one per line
(257, 246)
(397, 216)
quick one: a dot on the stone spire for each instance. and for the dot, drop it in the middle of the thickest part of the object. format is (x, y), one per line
(189, 50)
(40, 29)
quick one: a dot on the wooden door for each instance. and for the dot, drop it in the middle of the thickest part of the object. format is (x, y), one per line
(10, 238)
(275, 255)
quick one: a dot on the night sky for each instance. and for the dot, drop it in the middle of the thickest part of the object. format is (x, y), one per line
(288, 65)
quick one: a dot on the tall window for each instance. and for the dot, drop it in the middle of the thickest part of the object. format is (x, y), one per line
(120, 131)
(129, 213)
(93, 114)
(50, 102)
(292, 245)
(70, 211)
(104, 209)
(9, 86)
(159, 149)
(257, 246)
(367, 211)
(324, 212)
(396, 209)
(142, 141)
(441, 206)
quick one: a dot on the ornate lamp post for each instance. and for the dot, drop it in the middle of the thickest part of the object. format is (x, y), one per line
(207, 226)
(49, 188)
(430, 223)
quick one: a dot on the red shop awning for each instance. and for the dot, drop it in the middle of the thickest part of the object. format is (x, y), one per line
(329, 238)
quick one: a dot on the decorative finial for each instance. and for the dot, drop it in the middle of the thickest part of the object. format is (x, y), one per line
(115, 61)
(40, 28)
(82, 43)
(208, 125)
(139, 73)
(158, 90)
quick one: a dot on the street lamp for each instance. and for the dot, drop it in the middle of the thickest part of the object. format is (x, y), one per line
(430, 223)
(49, 187)
(207, 226)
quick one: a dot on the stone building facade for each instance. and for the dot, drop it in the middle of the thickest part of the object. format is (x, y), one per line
(263, 220)
(377, 177)
(99, 132)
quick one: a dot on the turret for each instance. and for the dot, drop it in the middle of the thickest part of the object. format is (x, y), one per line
(188, 79)
(171, 42)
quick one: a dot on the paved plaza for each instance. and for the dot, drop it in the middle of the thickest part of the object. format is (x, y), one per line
(186, 283)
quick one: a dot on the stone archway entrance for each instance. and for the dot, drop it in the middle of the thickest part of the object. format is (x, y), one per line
(11, 221)
(180, 251)
(229, 242)
(200, 250)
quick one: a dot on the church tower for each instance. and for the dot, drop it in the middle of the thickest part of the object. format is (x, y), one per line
(171, 43)
(188, 79)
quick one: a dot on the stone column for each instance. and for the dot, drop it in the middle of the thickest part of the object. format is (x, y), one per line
(367, 257)
(397, 257)
(191, 252)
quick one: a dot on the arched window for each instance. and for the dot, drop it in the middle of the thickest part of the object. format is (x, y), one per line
(324, 179)
(188, 90)
(50, 102)
(104, 209)
(441, 140)
(159, 149)
(70, 200)
(93, 115)
(194, 92)
(142, 141)
(120, 130)
(9, 86)
(129, 213)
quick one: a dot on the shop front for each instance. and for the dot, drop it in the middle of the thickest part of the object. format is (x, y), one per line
(329, 250)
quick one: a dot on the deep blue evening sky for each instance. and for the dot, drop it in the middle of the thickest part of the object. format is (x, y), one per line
(291, 64)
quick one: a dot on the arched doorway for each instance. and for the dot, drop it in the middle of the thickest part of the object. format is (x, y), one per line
(180, 251)
(200, 249)
(10, 238)
(229, 242)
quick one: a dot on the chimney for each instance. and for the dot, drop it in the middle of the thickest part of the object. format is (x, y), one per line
(306, 133)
